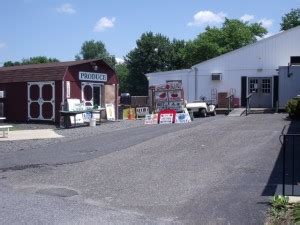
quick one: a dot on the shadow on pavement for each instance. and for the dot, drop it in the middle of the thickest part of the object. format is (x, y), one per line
(291, 152)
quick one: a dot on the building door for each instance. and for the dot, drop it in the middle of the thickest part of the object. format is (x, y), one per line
(41, 100)
(91, 94)
(261, 90)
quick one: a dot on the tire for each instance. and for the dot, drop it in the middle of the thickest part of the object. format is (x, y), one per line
(214, 113)
(191, 116)
(203, 113)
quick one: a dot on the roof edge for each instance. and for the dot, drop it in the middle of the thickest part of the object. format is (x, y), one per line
(167, 72)
(249, 45)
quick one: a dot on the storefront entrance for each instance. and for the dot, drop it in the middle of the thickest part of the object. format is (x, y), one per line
(91, 94)
(261, 90)
(41, 100)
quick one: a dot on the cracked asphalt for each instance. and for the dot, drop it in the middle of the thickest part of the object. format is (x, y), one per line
(211, 171)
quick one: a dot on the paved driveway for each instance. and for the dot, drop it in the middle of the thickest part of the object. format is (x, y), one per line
(212, 171)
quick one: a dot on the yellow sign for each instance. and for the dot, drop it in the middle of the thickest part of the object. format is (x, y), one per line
(129, 114)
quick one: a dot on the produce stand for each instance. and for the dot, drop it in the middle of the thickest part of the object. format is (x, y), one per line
(66, 116)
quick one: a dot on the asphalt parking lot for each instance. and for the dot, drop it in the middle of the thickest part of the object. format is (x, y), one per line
(211, 171)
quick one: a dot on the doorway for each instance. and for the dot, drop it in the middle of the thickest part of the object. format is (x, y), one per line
(91, 94)
(41, 100)
(261, 90)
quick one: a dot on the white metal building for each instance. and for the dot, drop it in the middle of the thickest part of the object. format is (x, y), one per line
(251, 69)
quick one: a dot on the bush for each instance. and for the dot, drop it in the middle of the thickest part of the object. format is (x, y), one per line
(296, 213)
(293, 108)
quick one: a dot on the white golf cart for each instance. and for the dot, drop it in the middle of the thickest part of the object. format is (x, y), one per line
(201, 108)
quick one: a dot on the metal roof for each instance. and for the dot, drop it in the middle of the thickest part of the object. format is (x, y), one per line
(38, 72)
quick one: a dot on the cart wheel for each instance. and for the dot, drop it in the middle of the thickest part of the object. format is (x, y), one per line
(191, 116)
(203, 113)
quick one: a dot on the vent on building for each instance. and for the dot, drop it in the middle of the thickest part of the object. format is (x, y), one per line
(295, 60)
(216, 76)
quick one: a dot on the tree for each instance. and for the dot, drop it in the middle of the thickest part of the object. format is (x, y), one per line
(31, 60)
(291, 19)
(95, 50)
(122, 72)
(151, 54)
(38, 60)
(214, 41)
(177, 60)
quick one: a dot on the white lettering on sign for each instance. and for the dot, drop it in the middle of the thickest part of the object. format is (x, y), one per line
(93, 76)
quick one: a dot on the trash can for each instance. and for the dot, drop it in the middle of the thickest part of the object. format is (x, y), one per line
(92, 122)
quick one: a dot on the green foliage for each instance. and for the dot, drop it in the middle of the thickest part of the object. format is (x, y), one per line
(177, 54)
(279, 206)
(153, 53)
(291, 19)
(31, 60)
(293, 108)
(122, 72)
(95, 50)
(10, 63)
(296, 214)
(214, 41)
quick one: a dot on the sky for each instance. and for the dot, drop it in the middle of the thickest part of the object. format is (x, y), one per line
(57, 28)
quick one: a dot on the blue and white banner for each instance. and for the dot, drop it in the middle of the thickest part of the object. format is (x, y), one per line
(182, 118)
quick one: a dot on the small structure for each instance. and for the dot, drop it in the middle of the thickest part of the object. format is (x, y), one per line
(38, 92)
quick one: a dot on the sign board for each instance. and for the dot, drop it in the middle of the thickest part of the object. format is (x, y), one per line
(182, 118)
(110, 112)
(87, 117)
(175, 95)
(174, 84)
(151, 119)
(68, 91)
(142, 111)
(129, 114)
(166, 118)
(101, 77)
(75, 105)
(161, 96)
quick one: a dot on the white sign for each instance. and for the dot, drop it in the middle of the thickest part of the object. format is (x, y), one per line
(110, 112)
(182, 118)
(93, 76)
(166, 118)
(142, 111)
(75, 105)
(151, 119)
(68, 87)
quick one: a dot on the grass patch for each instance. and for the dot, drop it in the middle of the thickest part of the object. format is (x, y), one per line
(282, 212)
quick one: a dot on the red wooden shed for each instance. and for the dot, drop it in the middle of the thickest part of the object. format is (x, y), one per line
(38, 92)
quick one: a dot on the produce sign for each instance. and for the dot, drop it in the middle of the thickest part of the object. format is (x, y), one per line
(175, 95)
(166, 118)
(182, 118)
(151, 119)
(169, 95)
(161, 96)
(174, 84)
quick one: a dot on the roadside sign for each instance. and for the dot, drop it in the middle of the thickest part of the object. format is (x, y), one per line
(142, 111)
(151, 119)
(182, 118)
(110, 112)
(166, 118)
